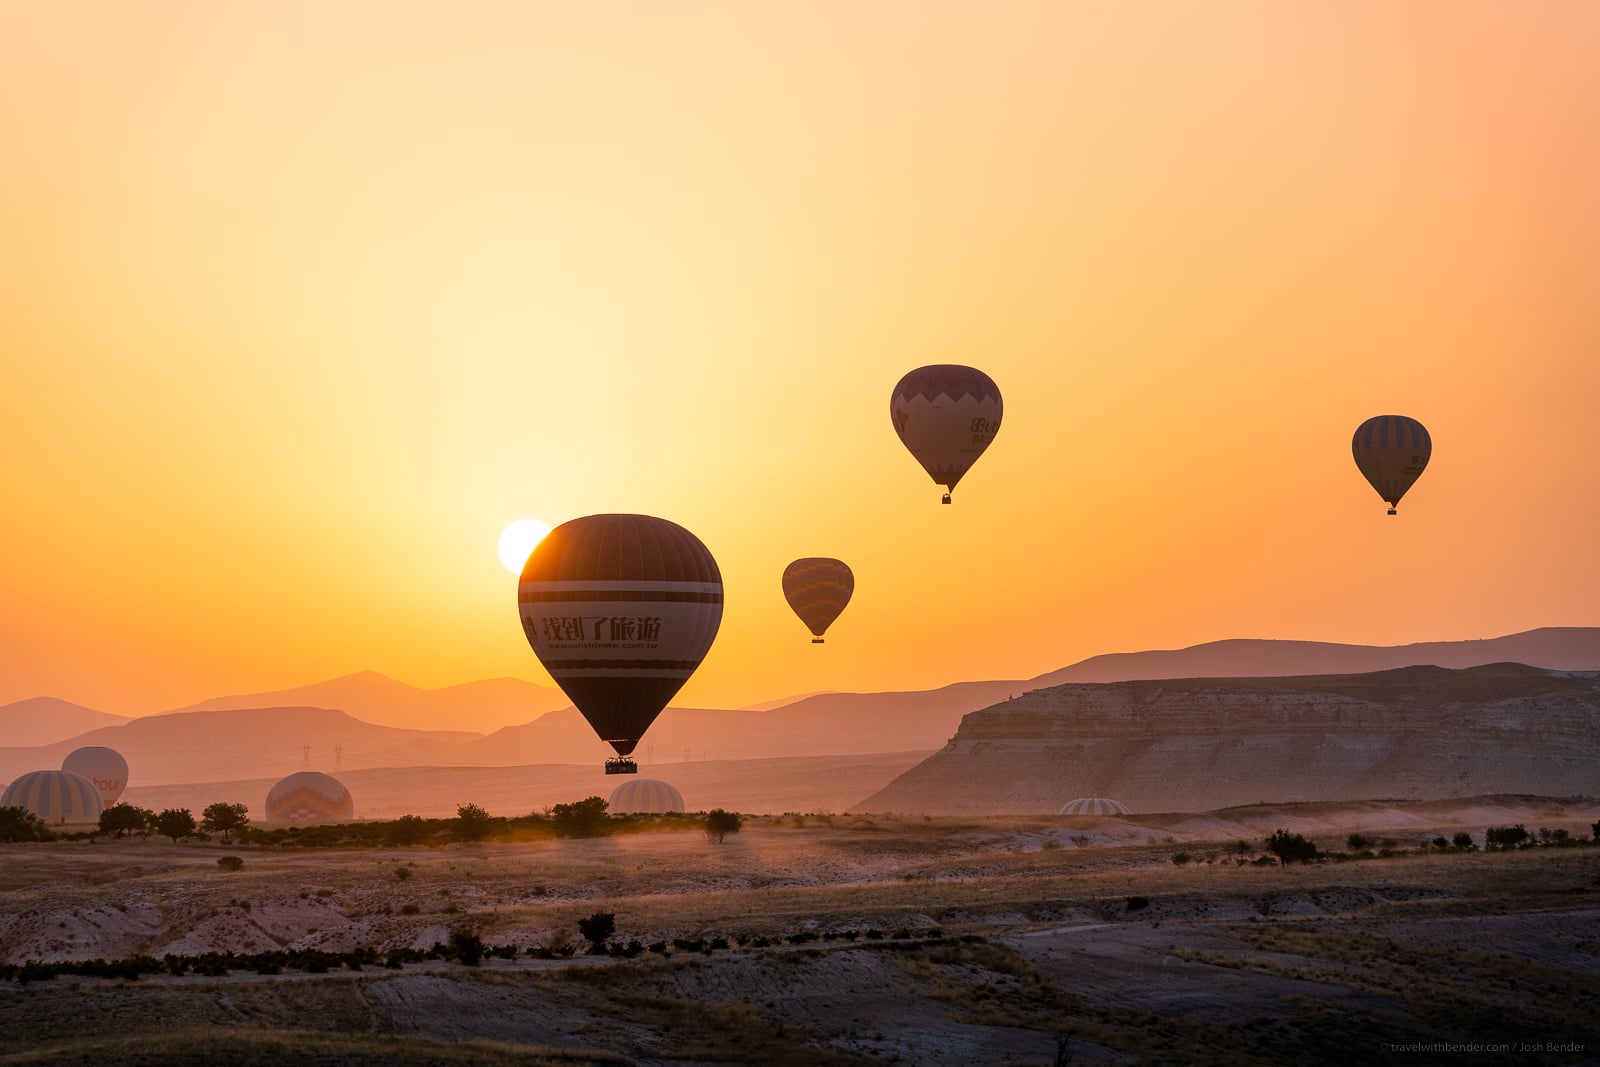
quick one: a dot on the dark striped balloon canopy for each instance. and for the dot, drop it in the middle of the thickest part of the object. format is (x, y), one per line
(620, 609)
(946, 415)
(1391, 452)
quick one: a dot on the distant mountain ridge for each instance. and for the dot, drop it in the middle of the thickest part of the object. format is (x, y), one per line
(41, 720)
(357, 714)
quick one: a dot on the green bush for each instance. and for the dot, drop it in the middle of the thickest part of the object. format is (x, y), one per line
(597, 929)
(1287, 846)
(719, 823)
(585, 818)
(230, 863)
(1505, 836)
(466, 946)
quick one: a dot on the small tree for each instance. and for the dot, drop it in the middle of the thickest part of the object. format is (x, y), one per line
(222, 818)
(124, 818)
(1357, 842)
(472, 822)
(1595, 829)
(597, 930)
(21, 824)
(1287, 846)
(586, 818)
(720, 824)
(1462, 839)
(231, 863)
(176, 823)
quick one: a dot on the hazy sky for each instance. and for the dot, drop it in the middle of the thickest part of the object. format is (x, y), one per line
(301, 304)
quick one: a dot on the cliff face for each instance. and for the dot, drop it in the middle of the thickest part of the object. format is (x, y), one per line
(1203, 744)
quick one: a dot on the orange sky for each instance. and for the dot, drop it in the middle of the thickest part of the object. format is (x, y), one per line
(301, 305)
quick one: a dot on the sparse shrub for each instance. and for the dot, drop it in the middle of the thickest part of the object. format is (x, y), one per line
(1595, 829)
(1462, 840)
(1558, 836)
(466, 946)
(597, 929)
(1137, 903)
(406, 830)
(1181, 858)
(1050, 844)
(1505, 836)
(1357, 842)
(1081, 840)
(409, 909)
(1441, 842)
(402, 873)
(230, 863)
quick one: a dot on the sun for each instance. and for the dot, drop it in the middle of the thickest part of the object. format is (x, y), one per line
(518, 540)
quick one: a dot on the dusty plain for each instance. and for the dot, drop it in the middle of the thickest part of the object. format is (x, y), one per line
(850, 939)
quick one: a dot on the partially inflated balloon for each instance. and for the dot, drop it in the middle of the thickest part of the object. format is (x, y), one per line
(620, 609)
(946, 415)
(1391, 452)
(818, 589)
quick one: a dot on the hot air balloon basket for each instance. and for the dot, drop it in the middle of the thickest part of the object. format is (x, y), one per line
(621, 766)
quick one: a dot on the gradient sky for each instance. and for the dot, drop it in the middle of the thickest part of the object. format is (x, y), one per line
(301, 304)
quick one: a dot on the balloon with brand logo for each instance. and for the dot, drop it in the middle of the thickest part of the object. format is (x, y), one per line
(946, 415)
(1391, 452)
(103, 766)
(818, 589)
(620, 609)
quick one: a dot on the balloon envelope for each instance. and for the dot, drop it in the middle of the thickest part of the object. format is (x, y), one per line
(1391, 452)
(55, 796)
(310, 798)
(818, 588)
(946, 415)
(645, 796)
(105, 767)
(620, 609)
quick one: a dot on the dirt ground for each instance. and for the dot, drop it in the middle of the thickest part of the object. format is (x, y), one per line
(995, 940)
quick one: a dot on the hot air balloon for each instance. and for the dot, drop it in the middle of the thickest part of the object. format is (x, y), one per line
(1391, 452)
(817, 589)
(946, 415)
(55, 796)
(620, 609)
(103, 766)
(310, 798)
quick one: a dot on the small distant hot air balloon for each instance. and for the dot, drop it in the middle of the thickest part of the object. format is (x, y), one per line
(1391, 451)
(645, 796)
(818, 588)
(946, 415)
(620, 609)
(103, 766)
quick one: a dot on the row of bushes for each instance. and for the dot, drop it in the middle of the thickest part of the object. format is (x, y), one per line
(584, 818)
(1286, 846)
(464, 946)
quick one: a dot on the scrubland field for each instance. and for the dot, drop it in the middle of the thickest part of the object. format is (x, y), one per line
(829, 940)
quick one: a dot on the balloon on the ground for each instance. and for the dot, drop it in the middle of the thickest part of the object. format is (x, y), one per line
(1093, 806)
(1391, 452)
(103, 766)
(818, 588)
(310, 798)
(645, 796)
(620, 609)
(55, 796)
(946, 415)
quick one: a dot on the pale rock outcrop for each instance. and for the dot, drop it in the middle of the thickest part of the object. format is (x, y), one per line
(1204, 744)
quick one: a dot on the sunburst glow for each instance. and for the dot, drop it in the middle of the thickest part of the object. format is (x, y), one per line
(518, 540)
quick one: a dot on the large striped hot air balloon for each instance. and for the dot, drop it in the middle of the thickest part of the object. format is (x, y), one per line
(1391, 451)
(55, 796)
(620, 609)
(817, 589)
(946, 415)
